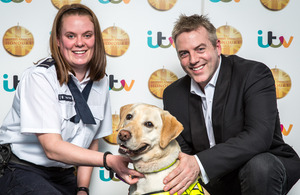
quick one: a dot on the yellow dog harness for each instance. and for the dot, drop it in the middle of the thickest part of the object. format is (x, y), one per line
(194, 189)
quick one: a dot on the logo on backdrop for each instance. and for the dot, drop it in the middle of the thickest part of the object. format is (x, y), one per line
(112, 138)
(159, 80)
(281, 42)
(104, 175)
(15, 1)
(116, 41)
(224, 1)
(59, 3)
(121, 85)
(161, 41)
(162, 5)
(114, 1)
(10, 83)
(274, 5)
(285, 131)
(231, 39)
(18, 41)
(283, 82)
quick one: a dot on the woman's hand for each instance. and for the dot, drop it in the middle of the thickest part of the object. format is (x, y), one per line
(120, 165)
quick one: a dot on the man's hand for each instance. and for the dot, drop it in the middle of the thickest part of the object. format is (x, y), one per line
(183, 176)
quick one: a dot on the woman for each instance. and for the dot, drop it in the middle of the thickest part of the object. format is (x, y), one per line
(46, 128)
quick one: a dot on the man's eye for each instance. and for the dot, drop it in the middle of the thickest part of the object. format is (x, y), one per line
(129, 116)
(183, 54)
(148, 124)
(201, 49)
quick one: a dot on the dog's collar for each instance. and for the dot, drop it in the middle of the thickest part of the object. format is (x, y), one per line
(164, 168)
(195, 188)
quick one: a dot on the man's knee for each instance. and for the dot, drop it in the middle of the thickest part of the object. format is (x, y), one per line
(263, 174)
(264, 165)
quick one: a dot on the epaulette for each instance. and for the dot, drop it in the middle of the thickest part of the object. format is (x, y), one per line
(47, 63)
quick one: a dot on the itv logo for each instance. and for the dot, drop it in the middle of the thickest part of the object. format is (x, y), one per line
(161, 41)
(282, 41)
(103, 176)
(285, 131)
(10, 83)
(123, 83)
(6, 83)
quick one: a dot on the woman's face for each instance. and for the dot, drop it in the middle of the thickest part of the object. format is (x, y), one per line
(76, 41)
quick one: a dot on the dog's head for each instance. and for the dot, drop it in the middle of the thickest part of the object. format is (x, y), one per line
(145, 129)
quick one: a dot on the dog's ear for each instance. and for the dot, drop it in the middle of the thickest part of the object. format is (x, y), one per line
(171, 129)
(123, 112)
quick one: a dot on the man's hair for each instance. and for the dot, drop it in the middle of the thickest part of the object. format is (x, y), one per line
(193, 22)
(98, 62)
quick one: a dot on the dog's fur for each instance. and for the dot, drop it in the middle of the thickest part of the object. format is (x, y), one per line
(147, 136)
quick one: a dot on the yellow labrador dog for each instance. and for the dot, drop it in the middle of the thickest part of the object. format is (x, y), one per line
(147, 135)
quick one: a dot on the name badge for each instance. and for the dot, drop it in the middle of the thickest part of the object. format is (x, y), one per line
(65, 97)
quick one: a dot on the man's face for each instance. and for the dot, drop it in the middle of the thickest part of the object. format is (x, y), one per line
(198, 57)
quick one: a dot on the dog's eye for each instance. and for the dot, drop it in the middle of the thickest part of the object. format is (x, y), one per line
(148, 124)
(129, 116)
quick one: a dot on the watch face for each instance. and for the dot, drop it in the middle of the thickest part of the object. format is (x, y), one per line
(275, 5)
(18, 41)
(159, 80)
(116, 41)
(283, 82)
(231, 39)
(59, 3)
(162, 5)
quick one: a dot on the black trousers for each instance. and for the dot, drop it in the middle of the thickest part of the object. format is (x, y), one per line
(21, 179)
(264, 174)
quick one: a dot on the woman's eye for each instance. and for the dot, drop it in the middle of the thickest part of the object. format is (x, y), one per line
(88, 35)
(129, 116)
(70, 36)
(148, 124)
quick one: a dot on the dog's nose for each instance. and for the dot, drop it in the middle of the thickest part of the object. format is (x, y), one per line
(124, 135)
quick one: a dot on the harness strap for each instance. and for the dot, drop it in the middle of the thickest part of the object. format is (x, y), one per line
(194, 189)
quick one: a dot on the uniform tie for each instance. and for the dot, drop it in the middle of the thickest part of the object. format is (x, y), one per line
(83, 111)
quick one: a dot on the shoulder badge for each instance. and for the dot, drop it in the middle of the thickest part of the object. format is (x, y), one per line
(47, 63)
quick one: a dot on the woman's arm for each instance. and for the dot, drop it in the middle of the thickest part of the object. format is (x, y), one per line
(84, 173)
(59, 150)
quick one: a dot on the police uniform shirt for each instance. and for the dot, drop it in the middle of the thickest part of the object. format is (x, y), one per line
(42, 105)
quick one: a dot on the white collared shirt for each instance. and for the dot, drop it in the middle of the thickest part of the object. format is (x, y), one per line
(207, 102)
(37, 108)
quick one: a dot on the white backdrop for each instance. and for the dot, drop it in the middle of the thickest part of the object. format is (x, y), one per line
(136, 65)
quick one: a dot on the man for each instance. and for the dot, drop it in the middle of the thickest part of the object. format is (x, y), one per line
(227, 105)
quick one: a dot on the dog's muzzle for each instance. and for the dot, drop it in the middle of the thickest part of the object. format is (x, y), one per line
(124, 135)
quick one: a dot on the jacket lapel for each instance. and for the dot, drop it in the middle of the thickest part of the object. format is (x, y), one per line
(220, 98)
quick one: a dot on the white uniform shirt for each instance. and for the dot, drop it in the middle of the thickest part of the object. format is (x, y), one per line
(207, 102)
(37, 109)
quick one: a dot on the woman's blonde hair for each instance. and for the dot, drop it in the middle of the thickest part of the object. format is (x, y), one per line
(97, 64)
